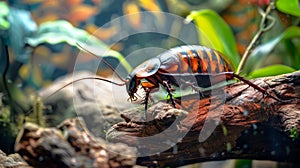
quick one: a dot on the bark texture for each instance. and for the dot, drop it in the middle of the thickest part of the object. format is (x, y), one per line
(12, 161)
(236, 121)
(70, 145)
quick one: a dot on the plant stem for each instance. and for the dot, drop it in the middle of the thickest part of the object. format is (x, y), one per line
(263, 27)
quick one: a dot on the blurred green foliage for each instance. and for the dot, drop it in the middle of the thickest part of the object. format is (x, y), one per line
(271, 70)
(288, 6)
(60, 24)
(37, 115)
(4, 24)
(8, 128)
(294, 133)
(18, 26)
(61, 31)
(289, 49)
(243, 163)
(215, 33)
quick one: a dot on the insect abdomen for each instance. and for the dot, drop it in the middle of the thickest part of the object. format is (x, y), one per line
(199, 59)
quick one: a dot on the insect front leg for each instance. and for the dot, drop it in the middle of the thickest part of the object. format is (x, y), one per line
(148, 87)
(147, 90)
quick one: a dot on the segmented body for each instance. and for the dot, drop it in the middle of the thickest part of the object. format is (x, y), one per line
(179, 66)
(191, 65)
(193, 59)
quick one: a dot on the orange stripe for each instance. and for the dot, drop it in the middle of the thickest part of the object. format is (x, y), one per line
(209, 55)
(213, 64)
(184, 63)
(203, 62)
(190, 56)
(220, 64)
(194, 63)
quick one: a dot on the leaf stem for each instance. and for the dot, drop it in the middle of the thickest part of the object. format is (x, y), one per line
(263, 27)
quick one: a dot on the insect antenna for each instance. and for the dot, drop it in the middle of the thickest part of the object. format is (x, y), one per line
(77, 80)
(106, 63)
(84, 78)
(93, 77)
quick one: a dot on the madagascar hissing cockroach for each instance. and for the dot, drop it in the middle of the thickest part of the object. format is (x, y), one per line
(205, 65)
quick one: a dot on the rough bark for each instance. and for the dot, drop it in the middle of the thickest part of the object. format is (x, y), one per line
(12, 161)
(236, 121)
(230, 122)
(70, 145)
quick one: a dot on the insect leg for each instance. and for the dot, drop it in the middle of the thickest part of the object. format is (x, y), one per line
(147, 90)
(232, 74)
(169, 89)
(193, 86)
(148, 87)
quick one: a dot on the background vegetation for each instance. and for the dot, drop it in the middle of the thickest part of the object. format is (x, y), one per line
(38, 42)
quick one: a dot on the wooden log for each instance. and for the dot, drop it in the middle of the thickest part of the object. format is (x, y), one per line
(232, 122)
(70, 145)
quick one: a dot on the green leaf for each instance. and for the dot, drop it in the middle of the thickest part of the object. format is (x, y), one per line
(62, 31)
(243, 163)
(288, 6)
(225, 131)
(272, 70)
(294, 133)
(4, 10)
(262, 51)
(215, 33)
(21, 27)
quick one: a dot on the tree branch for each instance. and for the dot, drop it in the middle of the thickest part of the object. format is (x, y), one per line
(70, 145)
(235, 121)
(243, 124)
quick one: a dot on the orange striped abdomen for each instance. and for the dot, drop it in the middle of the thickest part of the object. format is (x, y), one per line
(195, 59)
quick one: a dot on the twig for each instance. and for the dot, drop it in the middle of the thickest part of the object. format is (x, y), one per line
(263, 27)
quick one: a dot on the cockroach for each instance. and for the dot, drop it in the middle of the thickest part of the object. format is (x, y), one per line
(207, 66)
